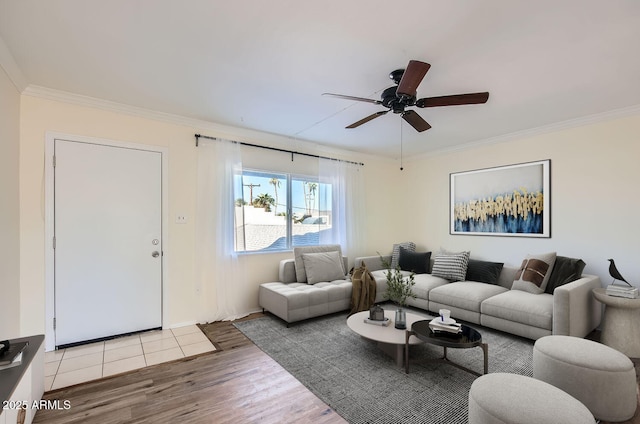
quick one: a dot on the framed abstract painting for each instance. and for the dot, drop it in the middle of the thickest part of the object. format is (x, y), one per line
(511, 200)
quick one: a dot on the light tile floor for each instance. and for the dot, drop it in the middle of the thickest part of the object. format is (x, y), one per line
(66, 367)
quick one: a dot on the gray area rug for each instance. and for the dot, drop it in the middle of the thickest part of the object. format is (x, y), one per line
(364, 385)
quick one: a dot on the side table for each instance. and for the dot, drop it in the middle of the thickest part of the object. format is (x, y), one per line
(621, 323)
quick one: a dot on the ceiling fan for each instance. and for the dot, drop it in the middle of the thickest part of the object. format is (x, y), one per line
(403, 95)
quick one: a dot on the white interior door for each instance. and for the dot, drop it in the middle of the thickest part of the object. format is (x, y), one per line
(108, 245)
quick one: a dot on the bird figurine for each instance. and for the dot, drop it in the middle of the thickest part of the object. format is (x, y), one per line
(613, 271)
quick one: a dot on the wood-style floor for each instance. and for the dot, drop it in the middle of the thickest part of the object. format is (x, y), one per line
(239, 384)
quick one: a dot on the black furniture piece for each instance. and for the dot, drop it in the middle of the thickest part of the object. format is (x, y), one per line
(29, 375)
(468, 338)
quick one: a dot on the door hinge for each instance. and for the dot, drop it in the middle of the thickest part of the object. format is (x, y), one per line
(54, 161)
(54, 323)
(54, 242)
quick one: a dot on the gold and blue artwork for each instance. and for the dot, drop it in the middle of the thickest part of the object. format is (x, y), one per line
(510, 200)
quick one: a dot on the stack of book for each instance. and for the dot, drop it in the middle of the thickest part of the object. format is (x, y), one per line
(437, 325)
(622, 291)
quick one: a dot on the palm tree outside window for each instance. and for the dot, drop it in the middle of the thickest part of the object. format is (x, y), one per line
(280, 211)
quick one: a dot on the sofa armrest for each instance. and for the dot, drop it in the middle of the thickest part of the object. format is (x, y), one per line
(575, 311)
(287, 271)
(373, 263)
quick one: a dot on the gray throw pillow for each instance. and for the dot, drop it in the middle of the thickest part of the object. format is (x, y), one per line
(301, 275)
(451, 266)
(564, 271)
(534, 273)
(483, 271)
(323, 266)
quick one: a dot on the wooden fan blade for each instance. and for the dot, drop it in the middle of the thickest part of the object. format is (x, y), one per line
(412, 78)
(367, 119)
(358, 99)
(453, 100)
(415, 121)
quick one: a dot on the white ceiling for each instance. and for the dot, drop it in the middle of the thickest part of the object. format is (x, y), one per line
(263, 65)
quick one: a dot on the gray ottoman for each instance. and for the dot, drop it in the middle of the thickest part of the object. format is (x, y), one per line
(501, 398)
(600, 377)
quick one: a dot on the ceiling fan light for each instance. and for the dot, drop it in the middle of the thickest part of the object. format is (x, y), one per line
(397, 108)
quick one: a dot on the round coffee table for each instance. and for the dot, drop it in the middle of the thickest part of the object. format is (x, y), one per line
(390, 340)
(468, 338)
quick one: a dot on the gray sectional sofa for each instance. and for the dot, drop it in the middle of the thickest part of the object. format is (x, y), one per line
(293, 298)
(570, 310)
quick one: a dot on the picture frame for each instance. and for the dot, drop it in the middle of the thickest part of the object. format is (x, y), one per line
(510, 200)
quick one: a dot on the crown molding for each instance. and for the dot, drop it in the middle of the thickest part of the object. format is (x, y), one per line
(8, 63)
(198, 125)
(294, 143)
(219, 130)
(110, 106)
(532, 132)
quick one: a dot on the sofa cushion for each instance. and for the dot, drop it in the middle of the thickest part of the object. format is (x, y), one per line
(452, 266)
(301, 275)
(466, 295)
(417, 262)
(522, 307)
(565, 270)
(381, 275)
(323, 266)
(297, 301)
(395, 254)
(424, 283)
(534, 273)
(483, 271)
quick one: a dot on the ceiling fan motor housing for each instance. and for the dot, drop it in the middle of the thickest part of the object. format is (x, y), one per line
(394, 102)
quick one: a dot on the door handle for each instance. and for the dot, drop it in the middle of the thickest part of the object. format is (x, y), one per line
(155, 254)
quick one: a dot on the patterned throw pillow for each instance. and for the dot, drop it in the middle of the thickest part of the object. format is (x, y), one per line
(534, 273)
(451, 266)
(395, 255)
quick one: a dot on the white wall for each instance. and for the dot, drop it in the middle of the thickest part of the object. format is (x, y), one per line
(39, 115)
(9, 209)
(593, 186)
(594, 197)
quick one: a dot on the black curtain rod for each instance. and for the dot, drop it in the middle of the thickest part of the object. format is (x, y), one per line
(280, 150)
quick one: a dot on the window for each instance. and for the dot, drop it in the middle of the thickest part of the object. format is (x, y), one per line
(276, 211)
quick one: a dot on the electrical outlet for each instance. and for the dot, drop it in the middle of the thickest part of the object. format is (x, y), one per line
(181, 219)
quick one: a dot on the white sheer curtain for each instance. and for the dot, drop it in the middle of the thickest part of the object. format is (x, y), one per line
(217, 272)
(347, 210)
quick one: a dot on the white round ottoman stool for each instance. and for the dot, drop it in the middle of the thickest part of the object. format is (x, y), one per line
(502, 398)
(600, 377)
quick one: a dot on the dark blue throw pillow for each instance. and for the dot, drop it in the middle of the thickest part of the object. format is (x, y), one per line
(483, 271)
(417, 262)
(565, 270)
